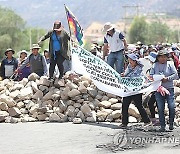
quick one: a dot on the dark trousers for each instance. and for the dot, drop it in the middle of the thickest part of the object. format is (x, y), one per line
(59, 61)
(151, 104)
(138, 103)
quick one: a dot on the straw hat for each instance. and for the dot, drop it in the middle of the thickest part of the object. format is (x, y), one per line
(9, 49)
(107, 27)
(35, 46)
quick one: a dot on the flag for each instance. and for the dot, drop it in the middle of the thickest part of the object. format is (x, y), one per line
(74, 26)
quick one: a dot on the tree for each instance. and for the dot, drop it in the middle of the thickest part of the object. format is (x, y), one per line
(158, 32)
(11, 26)
(138, 30)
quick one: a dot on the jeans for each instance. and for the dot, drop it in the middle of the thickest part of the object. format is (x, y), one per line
(161, 105)
(59, 61)
(116, 58)
(138, 103)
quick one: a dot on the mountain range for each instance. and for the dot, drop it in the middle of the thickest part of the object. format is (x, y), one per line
(42, 13)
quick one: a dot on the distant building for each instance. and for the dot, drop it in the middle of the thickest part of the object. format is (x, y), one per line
(94, 32)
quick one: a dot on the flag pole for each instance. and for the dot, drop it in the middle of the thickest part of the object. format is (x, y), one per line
(70, 37)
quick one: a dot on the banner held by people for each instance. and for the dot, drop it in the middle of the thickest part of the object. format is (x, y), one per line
(106, 78)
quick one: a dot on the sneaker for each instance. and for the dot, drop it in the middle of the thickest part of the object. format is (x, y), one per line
(122, 126)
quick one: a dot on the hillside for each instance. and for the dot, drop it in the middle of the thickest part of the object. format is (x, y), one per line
(43, 13)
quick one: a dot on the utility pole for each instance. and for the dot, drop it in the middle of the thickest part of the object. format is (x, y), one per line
(126, 18)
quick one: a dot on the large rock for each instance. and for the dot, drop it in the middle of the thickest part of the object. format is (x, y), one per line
(24, 81)
(176, 91)
(80, 115)
(34, 86)
(92, 92)
(105, 98)
(44, 81)
(17, 86)
(178, 99)
(86, 110)
(38, 95)
(70, 111)
(82, 88)
(109, 118)
(116, 106)
(63, 118)
(33, 77)
(77, 121)
(71, 85)
(105, 104)
(8, 100)
(62, 105)
(48, 96)
(73, 93)
(54, 118)
(25, 93)
(12, 120)
(33, 109)
(44, 89)
(42, 117)
(3, 106)
(92, 118)
(14, 94)
(3, 115)
(101, 115)
(29, 104)
(132, 119)
(113, 100)
(133, 111)
(20, 105)
(14, 112)
(59, 83)
(64, 94)
(116, 114)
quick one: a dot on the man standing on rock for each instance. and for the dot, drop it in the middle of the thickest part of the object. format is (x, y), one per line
(37, 62)
(58, 48)
(116, 42)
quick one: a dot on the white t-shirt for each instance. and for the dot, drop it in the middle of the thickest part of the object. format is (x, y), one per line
(115, 42)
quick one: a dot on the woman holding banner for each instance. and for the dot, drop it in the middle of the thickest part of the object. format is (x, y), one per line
(166, 91)
(134, 69)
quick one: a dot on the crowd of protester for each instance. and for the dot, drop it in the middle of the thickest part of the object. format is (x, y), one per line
(129, 60)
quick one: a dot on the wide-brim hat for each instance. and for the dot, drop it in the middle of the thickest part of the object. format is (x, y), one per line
(134, 57)
(152, 56)
(108, 26)
(9, 49)
(162, 52)
(35, 46)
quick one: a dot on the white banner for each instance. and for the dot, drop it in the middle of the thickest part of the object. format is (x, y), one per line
(106, 78)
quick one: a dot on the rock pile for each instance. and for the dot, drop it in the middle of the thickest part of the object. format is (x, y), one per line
(73, 98)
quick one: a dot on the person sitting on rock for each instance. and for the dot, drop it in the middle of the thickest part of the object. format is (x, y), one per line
(37, 62)
(9, 64)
